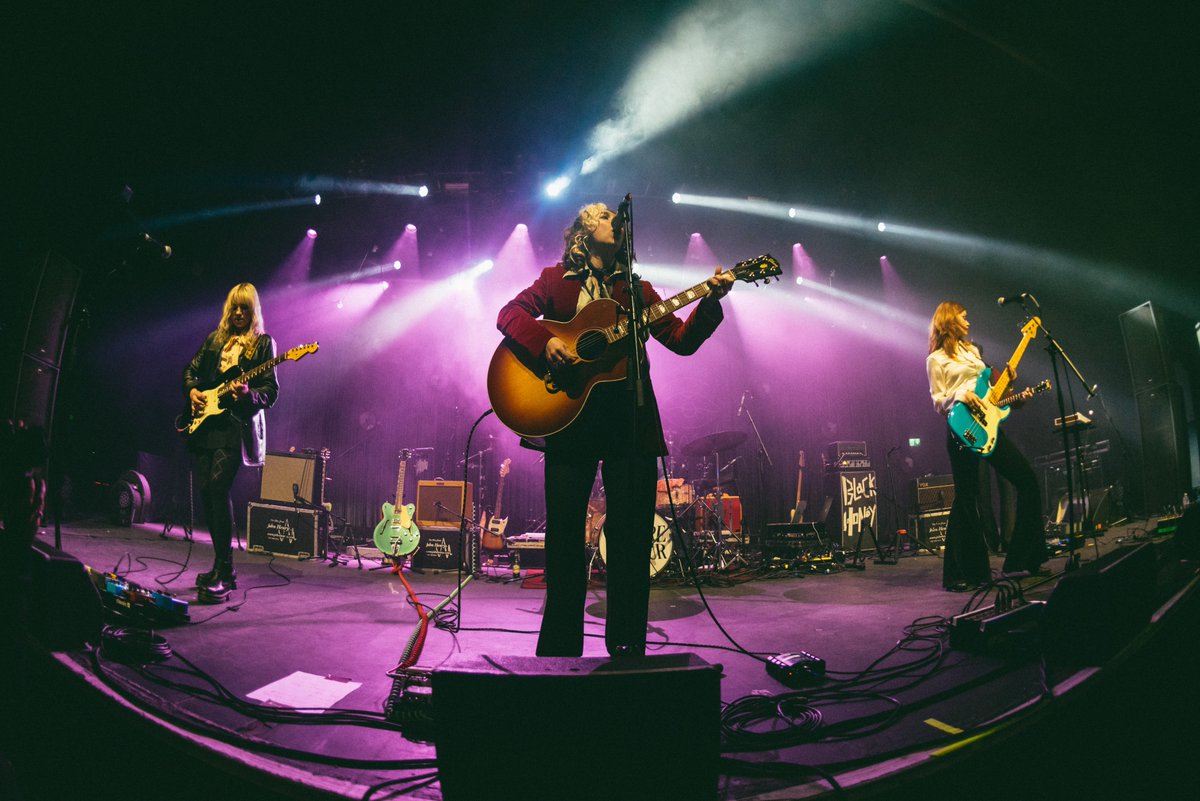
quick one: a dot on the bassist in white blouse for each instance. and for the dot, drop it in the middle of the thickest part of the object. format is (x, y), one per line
(954, 367)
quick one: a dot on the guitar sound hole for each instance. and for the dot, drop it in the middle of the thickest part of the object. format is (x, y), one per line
(590, 345)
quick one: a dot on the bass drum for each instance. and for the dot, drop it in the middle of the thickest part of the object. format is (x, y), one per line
(660, 545)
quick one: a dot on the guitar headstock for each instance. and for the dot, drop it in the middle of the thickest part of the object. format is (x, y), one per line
(300, 351)
(504, 467)
(1031, 326)
(761, 268)
(1041, 387)
(405, 454)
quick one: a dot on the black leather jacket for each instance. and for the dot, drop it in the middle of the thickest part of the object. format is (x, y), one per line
(248, 411)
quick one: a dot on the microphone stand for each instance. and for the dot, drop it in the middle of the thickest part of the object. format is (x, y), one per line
(1055, 350)
(762, 452)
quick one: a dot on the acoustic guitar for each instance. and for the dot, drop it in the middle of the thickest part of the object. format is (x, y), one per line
(534, 400)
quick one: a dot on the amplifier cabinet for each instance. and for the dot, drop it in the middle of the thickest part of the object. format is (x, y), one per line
(285, 530)
(283, 470)
(934, 492)
(439, 503)
(931, 528)
(854, 508)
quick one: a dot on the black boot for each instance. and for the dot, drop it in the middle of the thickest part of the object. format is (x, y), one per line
(208, 577)
(217, 590)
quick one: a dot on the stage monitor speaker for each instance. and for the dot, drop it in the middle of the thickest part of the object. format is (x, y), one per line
(1096, 610)
(439, 503)
(1095, 513)
(283, 470)
(641, 728)
(64, 606)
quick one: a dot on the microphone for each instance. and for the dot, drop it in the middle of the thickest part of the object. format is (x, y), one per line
(622, 219)
(1012, 299)
(163, 251)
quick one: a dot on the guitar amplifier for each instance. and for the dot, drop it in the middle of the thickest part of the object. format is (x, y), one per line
(439, 503)
(285, 530)
(934, 492)
(282, 471)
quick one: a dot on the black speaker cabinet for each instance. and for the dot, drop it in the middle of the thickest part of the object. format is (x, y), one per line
(642, 728)
(931, 528)
(282, 471)
(438, 551)
(1095, 610)
(1165, 468)
(439, 503)
(285, 530)
(854, 494)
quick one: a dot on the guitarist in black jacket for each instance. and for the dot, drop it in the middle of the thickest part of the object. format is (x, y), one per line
(235, 436)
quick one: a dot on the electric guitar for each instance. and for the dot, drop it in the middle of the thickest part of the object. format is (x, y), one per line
(534, 400)
(396, 534)
(979, 430)
(493, 533)
(190, 420)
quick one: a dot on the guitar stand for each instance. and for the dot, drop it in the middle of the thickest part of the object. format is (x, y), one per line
(856, 562)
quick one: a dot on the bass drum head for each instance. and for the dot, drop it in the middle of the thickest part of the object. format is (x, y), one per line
(660, 544)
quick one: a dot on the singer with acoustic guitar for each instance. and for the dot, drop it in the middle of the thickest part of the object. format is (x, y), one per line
(958, 385)
(609, 430)
(238, 435)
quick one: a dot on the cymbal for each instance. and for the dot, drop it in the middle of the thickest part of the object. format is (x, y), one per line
(715, 443)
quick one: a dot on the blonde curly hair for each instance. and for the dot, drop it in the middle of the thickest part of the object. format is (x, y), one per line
(575, 238)
(243, 294)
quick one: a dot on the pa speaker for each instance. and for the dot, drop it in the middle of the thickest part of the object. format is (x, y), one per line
(596, 728)
(1096, 610)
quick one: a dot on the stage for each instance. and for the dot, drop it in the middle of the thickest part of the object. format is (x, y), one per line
(898, 705)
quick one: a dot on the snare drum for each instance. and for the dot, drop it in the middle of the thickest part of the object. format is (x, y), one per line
(660, 546)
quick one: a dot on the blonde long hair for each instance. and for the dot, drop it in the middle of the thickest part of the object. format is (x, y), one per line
(242, 294)
(945, 331)
(575, 239)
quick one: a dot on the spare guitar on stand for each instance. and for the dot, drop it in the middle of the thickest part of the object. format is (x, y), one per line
(491, 535)
(397, 534)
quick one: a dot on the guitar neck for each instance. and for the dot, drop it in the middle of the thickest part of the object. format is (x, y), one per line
(400, 483)
(1010, 370)
(499, 497)
(661, 309)
(252, 373)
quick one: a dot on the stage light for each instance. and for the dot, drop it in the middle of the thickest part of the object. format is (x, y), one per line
(317, 199)
(523, 228)
(412, 229)
(882, 227)
(792, 213)
(385, 286)
(312, 233)
(423, 191)
(556, 187)
(396, 264)
(675, 197)
(799, 280)
(339, 303)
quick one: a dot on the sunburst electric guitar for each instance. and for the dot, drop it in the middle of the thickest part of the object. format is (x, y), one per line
(493, 532)
(190, 420)
(535, 401)
(397, 534)
(979, 430)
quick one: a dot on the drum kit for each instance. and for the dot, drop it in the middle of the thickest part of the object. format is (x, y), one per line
(703, 511)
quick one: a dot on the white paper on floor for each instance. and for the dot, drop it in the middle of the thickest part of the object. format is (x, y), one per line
(305, 690)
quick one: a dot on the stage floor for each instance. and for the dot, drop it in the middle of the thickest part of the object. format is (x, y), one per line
(346, 625)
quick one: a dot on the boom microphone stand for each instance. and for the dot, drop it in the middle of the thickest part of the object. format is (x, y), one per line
(1055, 350)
